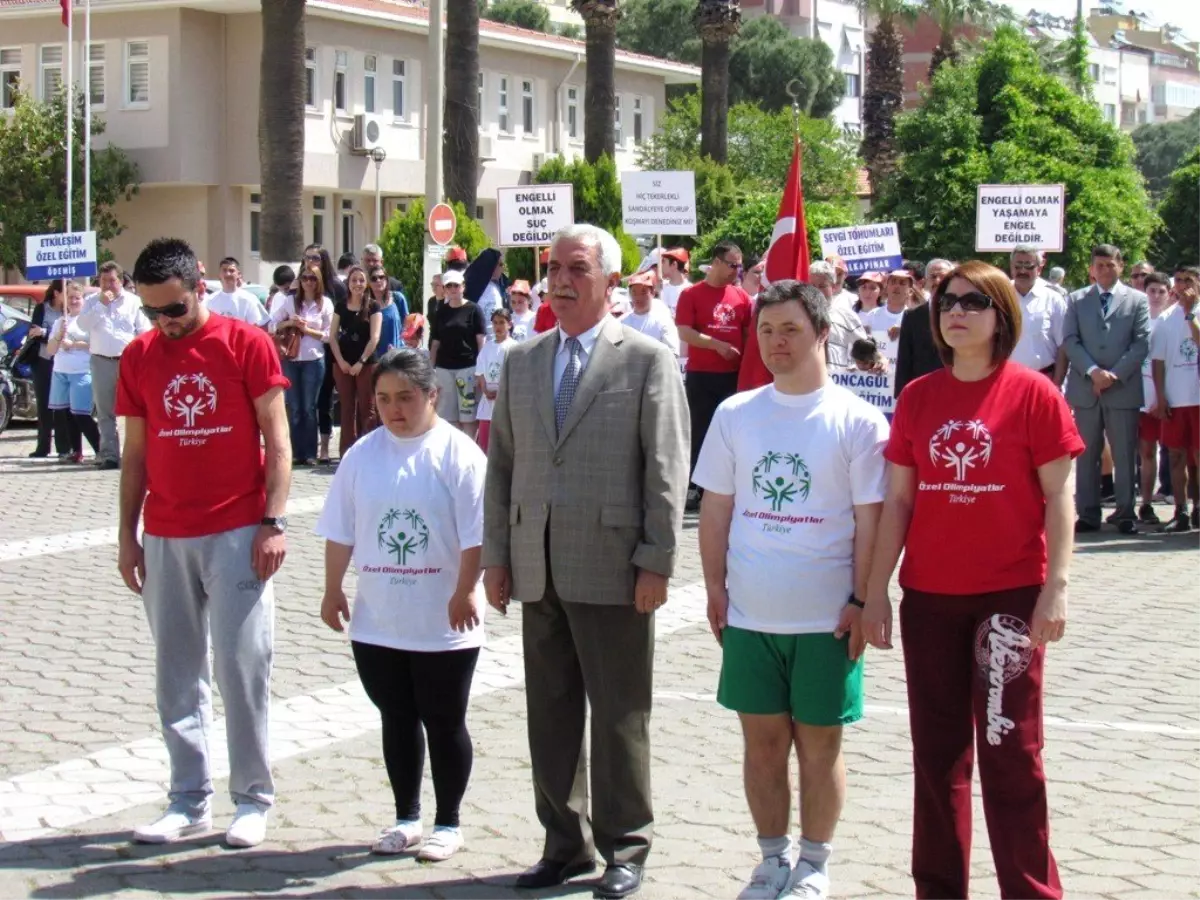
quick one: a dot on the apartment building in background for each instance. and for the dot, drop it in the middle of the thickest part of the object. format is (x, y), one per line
(178, 87)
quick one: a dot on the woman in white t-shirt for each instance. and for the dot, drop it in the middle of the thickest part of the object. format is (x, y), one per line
(71, 379)
(488, 367)
(407, 505)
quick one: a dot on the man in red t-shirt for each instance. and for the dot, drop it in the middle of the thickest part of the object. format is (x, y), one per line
(713, 318)
(200, 393)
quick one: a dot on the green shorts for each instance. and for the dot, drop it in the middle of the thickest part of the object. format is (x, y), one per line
(809, 676)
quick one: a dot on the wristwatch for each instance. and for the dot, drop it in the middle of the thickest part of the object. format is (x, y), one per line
(279, 523)
(1189, 317)
(854, 601)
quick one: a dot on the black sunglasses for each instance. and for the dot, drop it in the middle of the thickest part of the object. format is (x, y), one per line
(312, 257)
(379, 278)
(308, 277)
(171, 311)
(973, 302)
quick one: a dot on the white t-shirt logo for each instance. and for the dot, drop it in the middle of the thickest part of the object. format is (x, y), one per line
(781, 478)
(961, 446)
(189, 396)
(403, 534)
(1187, 350)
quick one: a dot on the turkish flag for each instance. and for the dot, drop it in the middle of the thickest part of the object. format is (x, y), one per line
(66, 11)
(787, 257)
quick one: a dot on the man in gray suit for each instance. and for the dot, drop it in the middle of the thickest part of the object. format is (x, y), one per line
(586, 483)
(1106, 333)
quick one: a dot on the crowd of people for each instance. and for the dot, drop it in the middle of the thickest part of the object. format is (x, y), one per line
(549, 438)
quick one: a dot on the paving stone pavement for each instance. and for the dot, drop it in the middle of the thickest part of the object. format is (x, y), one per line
(81, 762)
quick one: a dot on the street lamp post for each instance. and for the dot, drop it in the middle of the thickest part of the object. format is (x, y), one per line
(378, 155)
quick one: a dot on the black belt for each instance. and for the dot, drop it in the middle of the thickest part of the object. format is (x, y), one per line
(102, 356)
(1048, 371)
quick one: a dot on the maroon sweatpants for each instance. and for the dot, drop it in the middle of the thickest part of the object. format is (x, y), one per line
(967, 673)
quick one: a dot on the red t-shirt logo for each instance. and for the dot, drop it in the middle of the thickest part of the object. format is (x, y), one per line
(961, 446)
(190, 396)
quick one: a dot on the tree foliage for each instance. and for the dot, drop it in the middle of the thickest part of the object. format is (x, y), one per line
(521, 13)
(661, 28)
(1161, 147)
(1177, 241)
(33, 176)
(766, 59)
(403, 242)
(1001, 119)
(1075, 59)
(752, 222)
(950, 15)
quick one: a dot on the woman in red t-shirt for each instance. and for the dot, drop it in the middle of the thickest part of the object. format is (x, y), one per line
(979, 500)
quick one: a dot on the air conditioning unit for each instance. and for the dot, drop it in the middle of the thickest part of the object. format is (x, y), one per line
(486, 151)
(539, 160)
(367, 133)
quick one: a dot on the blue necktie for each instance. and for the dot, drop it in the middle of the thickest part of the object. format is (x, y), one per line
(1105, 300)
(570, 381)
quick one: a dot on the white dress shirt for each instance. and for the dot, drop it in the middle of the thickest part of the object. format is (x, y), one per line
(1042, 313)
(318, 317)
(110, 329)
(587, 341)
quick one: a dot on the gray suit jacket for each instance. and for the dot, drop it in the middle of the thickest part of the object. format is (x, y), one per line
(611, 488)
(1117, 342)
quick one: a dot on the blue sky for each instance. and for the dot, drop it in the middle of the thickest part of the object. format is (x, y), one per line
(1184, 13)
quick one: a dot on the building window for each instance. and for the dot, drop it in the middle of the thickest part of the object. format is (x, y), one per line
(573, 113)
(51, 61)
(637, 120)
(347, 226)
(527, 107)
(137, 73)
(1094, 71)
(502, 105)
(479, 111)
(853, 87)
(341, 63)
(318, 223)
(95, 68)
(10, 76)
(369, 65)
(310, 76)
(1110, 75)
(399, 70)
(255, 222)
(618, 134)
(1110, 113)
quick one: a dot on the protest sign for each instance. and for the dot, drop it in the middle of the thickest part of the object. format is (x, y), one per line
(1011, 214)
(864, 248)
(529, 216)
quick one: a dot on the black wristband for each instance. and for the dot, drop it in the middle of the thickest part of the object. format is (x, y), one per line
(854, 601)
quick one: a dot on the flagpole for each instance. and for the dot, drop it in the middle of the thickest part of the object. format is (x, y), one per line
(87, 115)
(70, 86)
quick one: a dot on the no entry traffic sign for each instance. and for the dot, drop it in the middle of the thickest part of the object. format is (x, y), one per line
(442, 224)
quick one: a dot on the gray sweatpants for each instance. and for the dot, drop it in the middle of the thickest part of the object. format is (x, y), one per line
(194, 585)
(104, 394)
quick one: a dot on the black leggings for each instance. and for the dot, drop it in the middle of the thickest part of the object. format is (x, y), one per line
(705, 392)
(77, 427)
(325, 396)
(412, 689)
(42, 370)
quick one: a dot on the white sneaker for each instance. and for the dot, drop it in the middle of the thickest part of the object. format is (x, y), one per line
(173, 825)
(768, 880)
(400, 837)
(807, 882)
(248, 828)
(442, 844)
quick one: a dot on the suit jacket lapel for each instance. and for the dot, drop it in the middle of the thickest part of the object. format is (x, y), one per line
(543, 363)
(602, 359)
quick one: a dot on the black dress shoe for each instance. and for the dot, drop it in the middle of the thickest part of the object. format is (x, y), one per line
(549, 873)
(618, 882)
(1082, 527)
(39, 454)
(1127, 526)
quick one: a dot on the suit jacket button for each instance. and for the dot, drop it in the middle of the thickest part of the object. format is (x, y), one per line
(545, 507)
(558, 460)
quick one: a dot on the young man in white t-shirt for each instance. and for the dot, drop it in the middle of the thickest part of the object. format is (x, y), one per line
(488, 366)
(793, 477)
(883, 322)
(1177, 385)
(1157, 288)
(233, 301)
(649, 316)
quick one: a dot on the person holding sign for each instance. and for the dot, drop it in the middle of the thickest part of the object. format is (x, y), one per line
(979, 501)
(793, 477)
(883, 322)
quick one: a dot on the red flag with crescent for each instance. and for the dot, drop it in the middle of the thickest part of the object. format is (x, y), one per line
(787, 257)
(66, 11)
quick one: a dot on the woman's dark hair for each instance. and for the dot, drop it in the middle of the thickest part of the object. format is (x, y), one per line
(283, 277)
(365, 305)
(53, 290)
(380, 296)
(301, 296)
(328, 272)
(501, 312)
(864, 350)
(992, 282)
(409, 364)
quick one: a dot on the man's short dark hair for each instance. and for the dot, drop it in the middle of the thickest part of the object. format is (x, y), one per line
(501, 312)
(721, 248)
(346, 260)
(113, 267)
(164, 259)
(230, 261)
(1157, 278)
(816, 307)
(1194, 271)
(283, 276)
(916, 267)
(1106, 251)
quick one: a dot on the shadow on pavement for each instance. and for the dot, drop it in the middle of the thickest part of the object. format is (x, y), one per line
(105, 863)
(1143, 542)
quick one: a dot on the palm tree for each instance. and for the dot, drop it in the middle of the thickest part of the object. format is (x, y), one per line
(282, 89)
(884, 94)
(600, 19)
(717, 21)
(460, 141)
(950, 16)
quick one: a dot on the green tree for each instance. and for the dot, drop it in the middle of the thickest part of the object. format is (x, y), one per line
(661, 28)
(460, 136)
(766, 60)
(33, 176)
(521, 13)
(1002, 119)
(1161, 147)
(281, 97)
(884, 95)
(1177, 241)
(951, 15)
(717, 21)
(1075, 58)
(403, 243)
(752, 222)
(600, 18)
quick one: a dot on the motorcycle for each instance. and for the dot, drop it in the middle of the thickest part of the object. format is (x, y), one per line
(6, 391)
(17, 356)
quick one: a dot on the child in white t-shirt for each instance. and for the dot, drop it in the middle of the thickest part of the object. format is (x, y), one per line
(488, 367)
